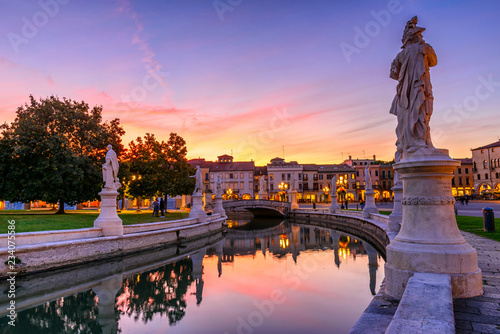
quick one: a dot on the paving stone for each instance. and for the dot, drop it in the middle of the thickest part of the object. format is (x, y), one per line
(462, 325)
(485, 328)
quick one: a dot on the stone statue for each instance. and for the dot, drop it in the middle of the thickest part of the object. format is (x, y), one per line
(218, 186)
(110, 170)
(333, 188)
(413, 102)
(198, 188)
(263, 185)
(368, 179)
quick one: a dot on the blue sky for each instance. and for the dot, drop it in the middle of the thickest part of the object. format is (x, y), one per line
(256, 75)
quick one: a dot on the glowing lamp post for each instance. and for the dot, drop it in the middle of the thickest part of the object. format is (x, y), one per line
(283, 187)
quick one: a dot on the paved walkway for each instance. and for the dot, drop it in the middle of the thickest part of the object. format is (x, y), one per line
(482, 314)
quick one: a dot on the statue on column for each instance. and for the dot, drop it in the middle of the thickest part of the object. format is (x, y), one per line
(218, 186)
(333, 188)
(368, 179)
(110, 170)
(413, 102)
(263, 185)
(198, 189)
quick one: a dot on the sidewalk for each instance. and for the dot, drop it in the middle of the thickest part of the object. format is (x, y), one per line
(481, 314)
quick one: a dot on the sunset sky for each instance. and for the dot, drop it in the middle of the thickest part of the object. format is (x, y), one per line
(253, 76)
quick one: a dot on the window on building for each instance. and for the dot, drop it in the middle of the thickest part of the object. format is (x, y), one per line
(482, 151)
(227, 175)
(475, 166)
(305, 177)
(321, 176)
(496, 175)
(288, 176)
(376, 173)
(283, 176)
(231, 175)
(242, 176)
(300, 176)
(347, 186)
(376, 183)
(478, 176)
(389, 174)
(466, 170)
(357, 173)
(206, 177)
(315, 177)
(328, 176)
(453, 182)
(271, 186)
(357, 184)
(306, 186)
(485, 164)
(242, 185)
(486, 176)
(460, 181)
(467, 182)
(352, 176)
(383, 184)
(383, 174)
(459, 170)
(271, 177)
(492, 150)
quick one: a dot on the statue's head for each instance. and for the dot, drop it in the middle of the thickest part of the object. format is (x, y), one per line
(412, 34)
(109, 147)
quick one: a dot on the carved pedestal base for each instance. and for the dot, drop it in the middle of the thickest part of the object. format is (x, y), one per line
(334, 205)
(197, 208)
(397, 212)
(370, 206)
(218, 206)
(429, 240)
(294, 205)
(263, 195)
(108, 219)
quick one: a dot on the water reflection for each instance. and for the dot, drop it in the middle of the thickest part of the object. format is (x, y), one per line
(227, 279)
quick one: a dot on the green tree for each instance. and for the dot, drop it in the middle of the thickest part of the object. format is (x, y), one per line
(54, 150)
(157, 168)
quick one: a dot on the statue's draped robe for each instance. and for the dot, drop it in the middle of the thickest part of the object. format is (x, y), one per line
(110, 170)
(413, 101)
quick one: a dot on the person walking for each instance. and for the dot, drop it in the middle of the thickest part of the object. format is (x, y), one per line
(155, 208)
(162, 208)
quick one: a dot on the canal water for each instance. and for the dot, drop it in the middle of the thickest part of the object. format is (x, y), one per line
(263, 276)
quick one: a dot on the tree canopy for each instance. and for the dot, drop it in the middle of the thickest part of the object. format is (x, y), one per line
(157, 168)
(54, 150)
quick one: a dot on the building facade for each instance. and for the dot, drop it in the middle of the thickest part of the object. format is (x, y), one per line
(486, 169)
(462, 183)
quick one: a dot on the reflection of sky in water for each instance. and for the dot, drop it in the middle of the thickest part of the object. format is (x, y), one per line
(263, 291)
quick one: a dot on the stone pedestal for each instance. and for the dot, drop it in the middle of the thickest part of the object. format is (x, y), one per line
(197, 208)
(208, 201)
(293, 197)
(263, 195)
(370, 206)
(218, 206)
(397, 212)
(108, 218)
(334, 205)
(429, 240)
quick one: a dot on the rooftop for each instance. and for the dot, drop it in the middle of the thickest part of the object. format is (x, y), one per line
(495, 144)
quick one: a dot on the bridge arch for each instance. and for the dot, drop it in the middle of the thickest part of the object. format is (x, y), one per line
(258, 207)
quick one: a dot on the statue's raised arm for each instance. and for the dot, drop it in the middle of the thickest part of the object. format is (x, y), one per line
(413, 103)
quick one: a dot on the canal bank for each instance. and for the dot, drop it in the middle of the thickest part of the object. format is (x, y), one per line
(41, 251)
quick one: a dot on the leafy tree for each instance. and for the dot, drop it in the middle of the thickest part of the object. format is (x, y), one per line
(54, 150)
(158, 167)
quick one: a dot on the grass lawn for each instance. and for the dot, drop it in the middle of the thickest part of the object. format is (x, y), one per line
(475, 225)
(31, 221)
(472, 225)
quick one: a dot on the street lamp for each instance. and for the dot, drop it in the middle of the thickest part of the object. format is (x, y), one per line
(341, 183)
(326, 190)
(283, 187)
(230, 193)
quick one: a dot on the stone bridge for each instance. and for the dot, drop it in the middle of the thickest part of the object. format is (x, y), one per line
(259, 207)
